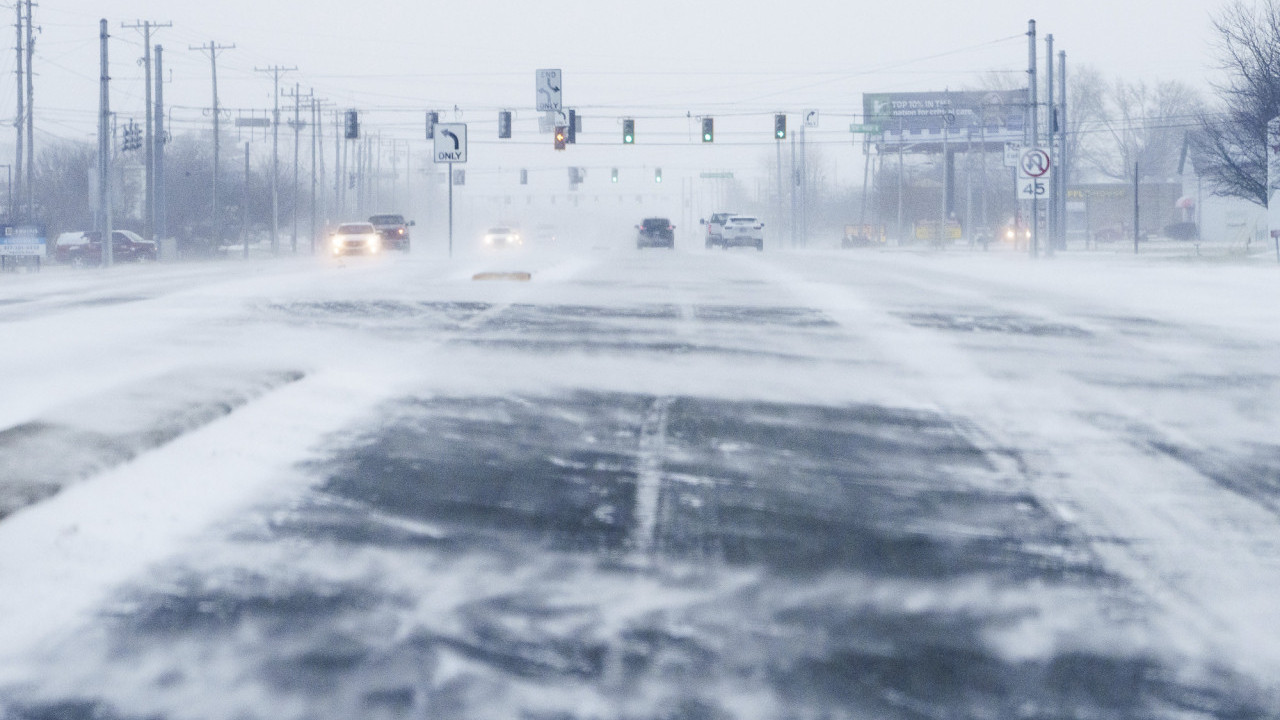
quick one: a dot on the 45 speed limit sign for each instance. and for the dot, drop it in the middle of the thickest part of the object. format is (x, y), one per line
(1033, 189)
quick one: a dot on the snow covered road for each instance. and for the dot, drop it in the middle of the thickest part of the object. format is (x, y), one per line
(642, 485)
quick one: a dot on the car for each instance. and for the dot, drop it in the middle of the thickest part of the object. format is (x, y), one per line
(502, 236)
(84, 247)
(715, 228)
(355, 238)
(1016, 234)
(655, 232)
(394, 231)
(545, 233)
(743, 230)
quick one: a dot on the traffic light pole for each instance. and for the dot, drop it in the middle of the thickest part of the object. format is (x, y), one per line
(450, 211)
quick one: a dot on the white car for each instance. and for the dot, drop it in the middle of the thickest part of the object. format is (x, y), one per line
(715, 228)
(743, 230)
(357, 237)
(501, 237)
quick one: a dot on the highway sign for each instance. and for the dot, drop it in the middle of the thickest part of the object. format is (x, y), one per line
(451, 143)
(869, 128)
(548, 89)
(1034, 164)
(1012, 154)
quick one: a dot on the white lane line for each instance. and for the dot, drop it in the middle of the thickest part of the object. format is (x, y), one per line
(653, 443)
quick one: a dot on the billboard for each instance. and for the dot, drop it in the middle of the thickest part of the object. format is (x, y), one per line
(921, 120)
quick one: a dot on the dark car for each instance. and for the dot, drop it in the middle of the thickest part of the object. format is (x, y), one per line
(656, 232)
(84, 247)
(394, 231)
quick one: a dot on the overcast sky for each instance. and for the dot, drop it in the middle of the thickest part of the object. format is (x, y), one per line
(651, 58)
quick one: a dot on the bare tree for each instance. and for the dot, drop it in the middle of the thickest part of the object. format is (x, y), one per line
(1143, 124)
(61, 187)
(1231, 147)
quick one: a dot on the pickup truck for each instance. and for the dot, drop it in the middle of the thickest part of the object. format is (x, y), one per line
(393, 230)
(715, 228)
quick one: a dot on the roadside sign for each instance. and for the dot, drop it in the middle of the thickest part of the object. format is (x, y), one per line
(451, 143)
(1034, 164)
(22, 240)
(811, 118)
(548, 89)
(1033, 189)
(869, 128)
(1012, 154)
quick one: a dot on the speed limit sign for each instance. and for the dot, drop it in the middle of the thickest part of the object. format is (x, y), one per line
(1032, 189)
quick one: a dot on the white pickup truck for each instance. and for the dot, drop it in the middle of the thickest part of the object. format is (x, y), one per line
(743, 230)
(715, 228)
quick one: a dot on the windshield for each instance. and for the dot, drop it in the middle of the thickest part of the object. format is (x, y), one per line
(355, 229)
(387, 219)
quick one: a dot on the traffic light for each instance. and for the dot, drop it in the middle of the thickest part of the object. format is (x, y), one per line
(629, 131)
(504, 124)
(573, 127)
(459, 177)
(614, 176)
(780, 126)
(708, 130)
(432, 119)
(351, 127)
(132, 138)
(657, 175)
(561, 136)
(575, 176)
(524, 176)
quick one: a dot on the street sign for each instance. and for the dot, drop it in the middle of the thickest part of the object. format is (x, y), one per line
(811, 118)
(716, 175)
(1033, 189)
(869, 128)
(548, 89)
(451, 143)
(262, 122)
(1034, 164)
(1012, 154)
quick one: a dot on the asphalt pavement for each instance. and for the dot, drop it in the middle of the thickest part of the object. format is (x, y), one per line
(639, 485)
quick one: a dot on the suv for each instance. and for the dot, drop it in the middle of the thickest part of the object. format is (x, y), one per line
(656, 232)
(393, 230)
(84, 247)
(715, 228)
(743, 230)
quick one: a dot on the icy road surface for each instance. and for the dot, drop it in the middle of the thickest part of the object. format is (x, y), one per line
(643, 485)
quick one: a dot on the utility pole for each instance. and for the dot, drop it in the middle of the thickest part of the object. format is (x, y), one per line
(244, 205)
(275, 71)
(297, 128)
(158, 217)
(31, 141)
(213, 49)
(315, 147)
(1033, 110)
(1050, 117)
(1063, 162)
(104, 147)
(20, 118)
(148, 212)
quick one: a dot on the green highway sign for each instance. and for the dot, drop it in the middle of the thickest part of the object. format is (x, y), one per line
(864, 128)
(717, 175)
